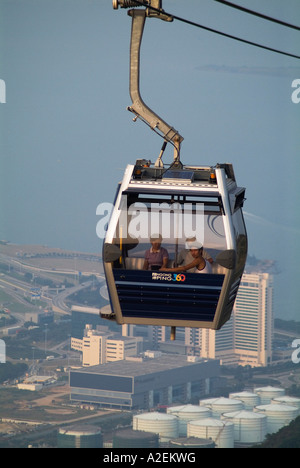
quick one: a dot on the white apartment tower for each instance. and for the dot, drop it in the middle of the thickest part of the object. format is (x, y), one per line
(253, 320)
(99, 348)
(246, 339)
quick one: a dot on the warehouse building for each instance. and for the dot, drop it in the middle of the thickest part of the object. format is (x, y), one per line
(145, 383)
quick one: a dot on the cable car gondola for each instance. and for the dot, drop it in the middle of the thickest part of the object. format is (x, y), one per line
(187, 206)
(203, 202)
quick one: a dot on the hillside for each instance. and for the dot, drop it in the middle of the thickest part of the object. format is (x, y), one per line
(287, 437)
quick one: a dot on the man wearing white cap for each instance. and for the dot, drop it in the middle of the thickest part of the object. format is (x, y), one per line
(185, 257)
(198, 263)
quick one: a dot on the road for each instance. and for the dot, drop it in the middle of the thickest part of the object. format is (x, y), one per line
(58, 301)
(21, 290)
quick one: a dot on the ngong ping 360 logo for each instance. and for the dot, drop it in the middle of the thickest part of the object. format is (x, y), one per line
(168, 277)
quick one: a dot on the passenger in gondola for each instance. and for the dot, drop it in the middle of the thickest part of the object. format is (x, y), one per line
(185, 257)
(197, 265)
(157, 256)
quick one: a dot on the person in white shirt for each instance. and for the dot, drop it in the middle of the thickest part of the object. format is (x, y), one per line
(185, 257)
(198, 264)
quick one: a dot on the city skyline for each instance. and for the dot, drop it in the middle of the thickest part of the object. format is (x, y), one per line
(66, 136)
(246, 339)
(177, 388)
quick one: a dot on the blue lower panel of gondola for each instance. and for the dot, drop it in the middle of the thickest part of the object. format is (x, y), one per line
(145, 294)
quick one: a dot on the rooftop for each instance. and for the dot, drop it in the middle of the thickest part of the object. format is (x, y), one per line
(145, 366)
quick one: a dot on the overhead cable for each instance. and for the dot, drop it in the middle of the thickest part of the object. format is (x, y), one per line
(259, 15)
(206, 28)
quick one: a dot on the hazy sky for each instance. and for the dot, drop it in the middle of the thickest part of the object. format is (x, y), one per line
(66, 136)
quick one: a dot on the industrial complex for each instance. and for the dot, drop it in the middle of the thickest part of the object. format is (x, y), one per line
(145, 382)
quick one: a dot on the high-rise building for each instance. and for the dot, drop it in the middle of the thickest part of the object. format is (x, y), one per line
(246, 339)
(253, 320)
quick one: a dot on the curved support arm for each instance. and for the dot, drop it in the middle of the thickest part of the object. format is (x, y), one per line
(138, 107)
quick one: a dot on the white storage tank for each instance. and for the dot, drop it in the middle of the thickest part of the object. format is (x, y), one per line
(267, 394)
(165, 425)
(278, 416)
(207, 402)
(191, 443)
(225, 405)
(80, 436)
(249, 399)
(287, 400)
(249, 427)
(186, 413)
(221, 432)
